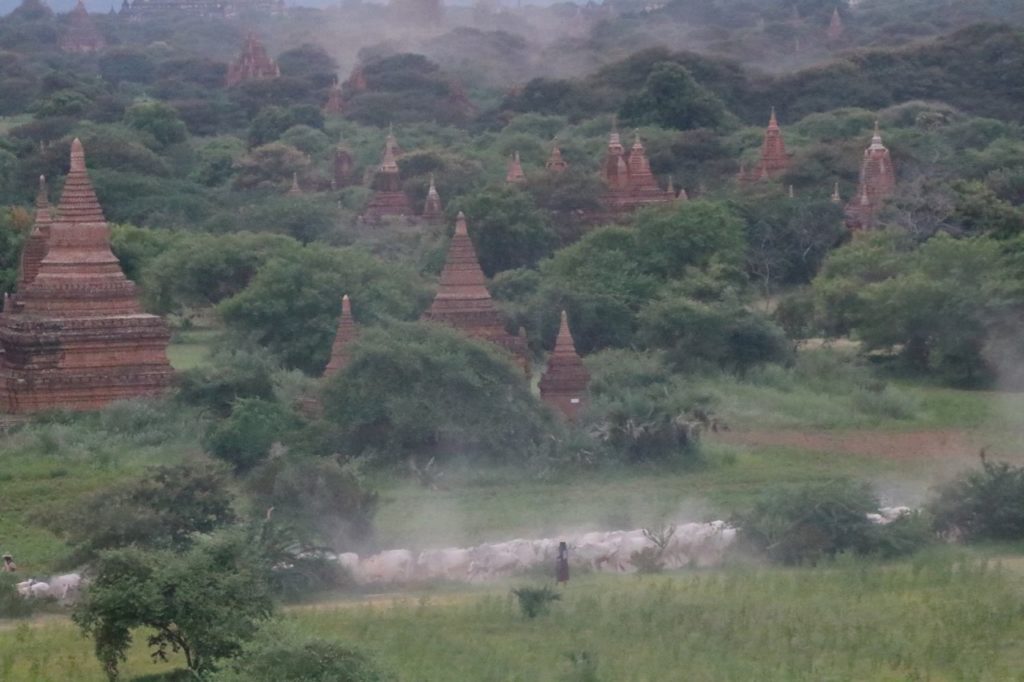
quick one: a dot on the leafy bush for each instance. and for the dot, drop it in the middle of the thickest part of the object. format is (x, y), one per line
(243, 439)
(281, 655)
(805, 524)
(12, 604)
(230, 376)
(535, 601)
(982, 504)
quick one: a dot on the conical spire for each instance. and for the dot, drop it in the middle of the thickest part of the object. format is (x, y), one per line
(346, 333)
(514, 175)
(774, 159)
(432, 208)
(42, 206)
(35, 248)
(773, 122)
(294, 190)
(835, 26)
(335, 104)
(640, 177)
(462, 300)
(78, 203)
(564, 383)
(836, 198)
(555, 162)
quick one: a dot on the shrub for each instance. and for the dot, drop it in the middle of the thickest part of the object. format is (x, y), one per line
(535, 601)
(244, 438)
(982, 504)
(12, 604)
(805, 524)
(228, 377)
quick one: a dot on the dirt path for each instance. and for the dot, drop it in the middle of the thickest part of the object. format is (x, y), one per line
(927, 444)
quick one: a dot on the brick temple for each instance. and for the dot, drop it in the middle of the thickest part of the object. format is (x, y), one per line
(774, 160)
(564, 383)
(463, 302)
(252, 64)
(877, 183)
(346, 333)
(74, 335)
(628, 178)
(81, 35)
(388, 197)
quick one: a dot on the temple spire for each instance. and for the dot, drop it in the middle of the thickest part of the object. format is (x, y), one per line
(78, 203)
(835, 26)
(555, 162)
(432, 208)
(514, 175)
(836, 198)
(347, 332)
(35, 248)
(564, 383)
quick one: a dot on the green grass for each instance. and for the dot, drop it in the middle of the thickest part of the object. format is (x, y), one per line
(190, 349)
(931, 618)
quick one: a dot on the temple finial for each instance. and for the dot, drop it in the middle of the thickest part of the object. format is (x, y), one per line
(460, 224)
(77, 156)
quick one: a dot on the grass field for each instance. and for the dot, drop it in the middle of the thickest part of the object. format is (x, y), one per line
(937, 617)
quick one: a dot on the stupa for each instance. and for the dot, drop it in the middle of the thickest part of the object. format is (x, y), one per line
(388, 198)
(463, 302)
(432, 208)
(629, 180)
(344, 167)
(343, 338)
(514, 175)
(555, 162)
(295, 190)
(252, 64)
(75, 337)
(774, 159)
(564, 383)
(81, 35)
(877, 183)
(34, 251)
(835, 27)
(335, 105)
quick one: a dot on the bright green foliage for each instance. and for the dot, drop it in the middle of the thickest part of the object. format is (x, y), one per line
(416, 390)
(162, 509)
(270, 167)
(696, 234)
(292, 304)
(157, 119)
(535, 601)
(671, 98)
(507, 229)
(11, 240)
(244, 437)
(203, 603)
(939, 303)
(806, 524)
(982, 504)
(232, 375)
(136, 247)
(283, 655)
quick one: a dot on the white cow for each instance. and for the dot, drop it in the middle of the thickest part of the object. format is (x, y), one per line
(348, 561)
(389, 566)
(39, 590)
(447, 564)
(66, 587)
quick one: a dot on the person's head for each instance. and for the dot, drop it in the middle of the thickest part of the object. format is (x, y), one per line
(8, 558)
(562, 545)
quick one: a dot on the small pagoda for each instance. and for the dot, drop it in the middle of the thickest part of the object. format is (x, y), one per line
(388, 198)
(34, 251)
(344, 167)
(514, 174)
(335, 105)
(341, 348)
(433, 211)
(74, 335)
(81, 35)
(877, 183)
(252, 64)
(835, 27)
(555, 162)
(463, 302)
(774, 160)
(628, 178)
(564, 383)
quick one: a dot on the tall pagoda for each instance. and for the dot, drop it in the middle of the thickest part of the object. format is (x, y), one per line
(433, 211)
(774, 160)
(463, 302)
(347, 333)
(252, 64)
(877, 183)
(629, 181)
(514, 175)
(564, 383)
(388, 198)
(81, 36)
(74, 336)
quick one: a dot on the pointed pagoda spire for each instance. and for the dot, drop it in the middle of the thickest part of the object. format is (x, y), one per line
(773, 122)
(835, 27)
(774, 159)
(78, 203)
(555, 162)
(877, 183)
(80, 35)
(35, 248)
(514, 175)
(640, 177)
(564, 383)
(432, 208)
(347, 332)
(683, 196)
(334, 105)
(389, 198)
(294, 190)
(836, 198)
(463, 302)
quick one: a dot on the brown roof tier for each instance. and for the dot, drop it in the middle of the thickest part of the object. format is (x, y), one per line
(388, 198)
(555, 162)
(565, 381)
(347, 333)
(774, 159)
(36, 245)
(463, 302)
(252, 64)
(629, 180)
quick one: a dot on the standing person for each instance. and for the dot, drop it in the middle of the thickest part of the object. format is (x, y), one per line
(562, 563)
(9, 566)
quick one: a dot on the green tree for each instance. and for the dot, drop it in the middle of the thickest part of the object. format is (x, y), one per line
(136, 247)
(982, 504)
(416, 391)
(243, 438)
(672, 98)
(697, 234)
(157, 119)
(506, 228)
(204, 603)
(271, 166)
(233, 374)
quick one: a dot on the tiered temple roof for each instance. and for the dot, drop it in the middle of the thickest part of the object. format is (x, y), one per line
(343, 338)
(630, 183)
(388, 198)
(81, 36)
(34, 251)
(774, 159)
(515, 175)
(432, 208)
(877, 183)
(463, 302)
(75, 336)
(555, 162)
(564, 383)
(252, 64)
